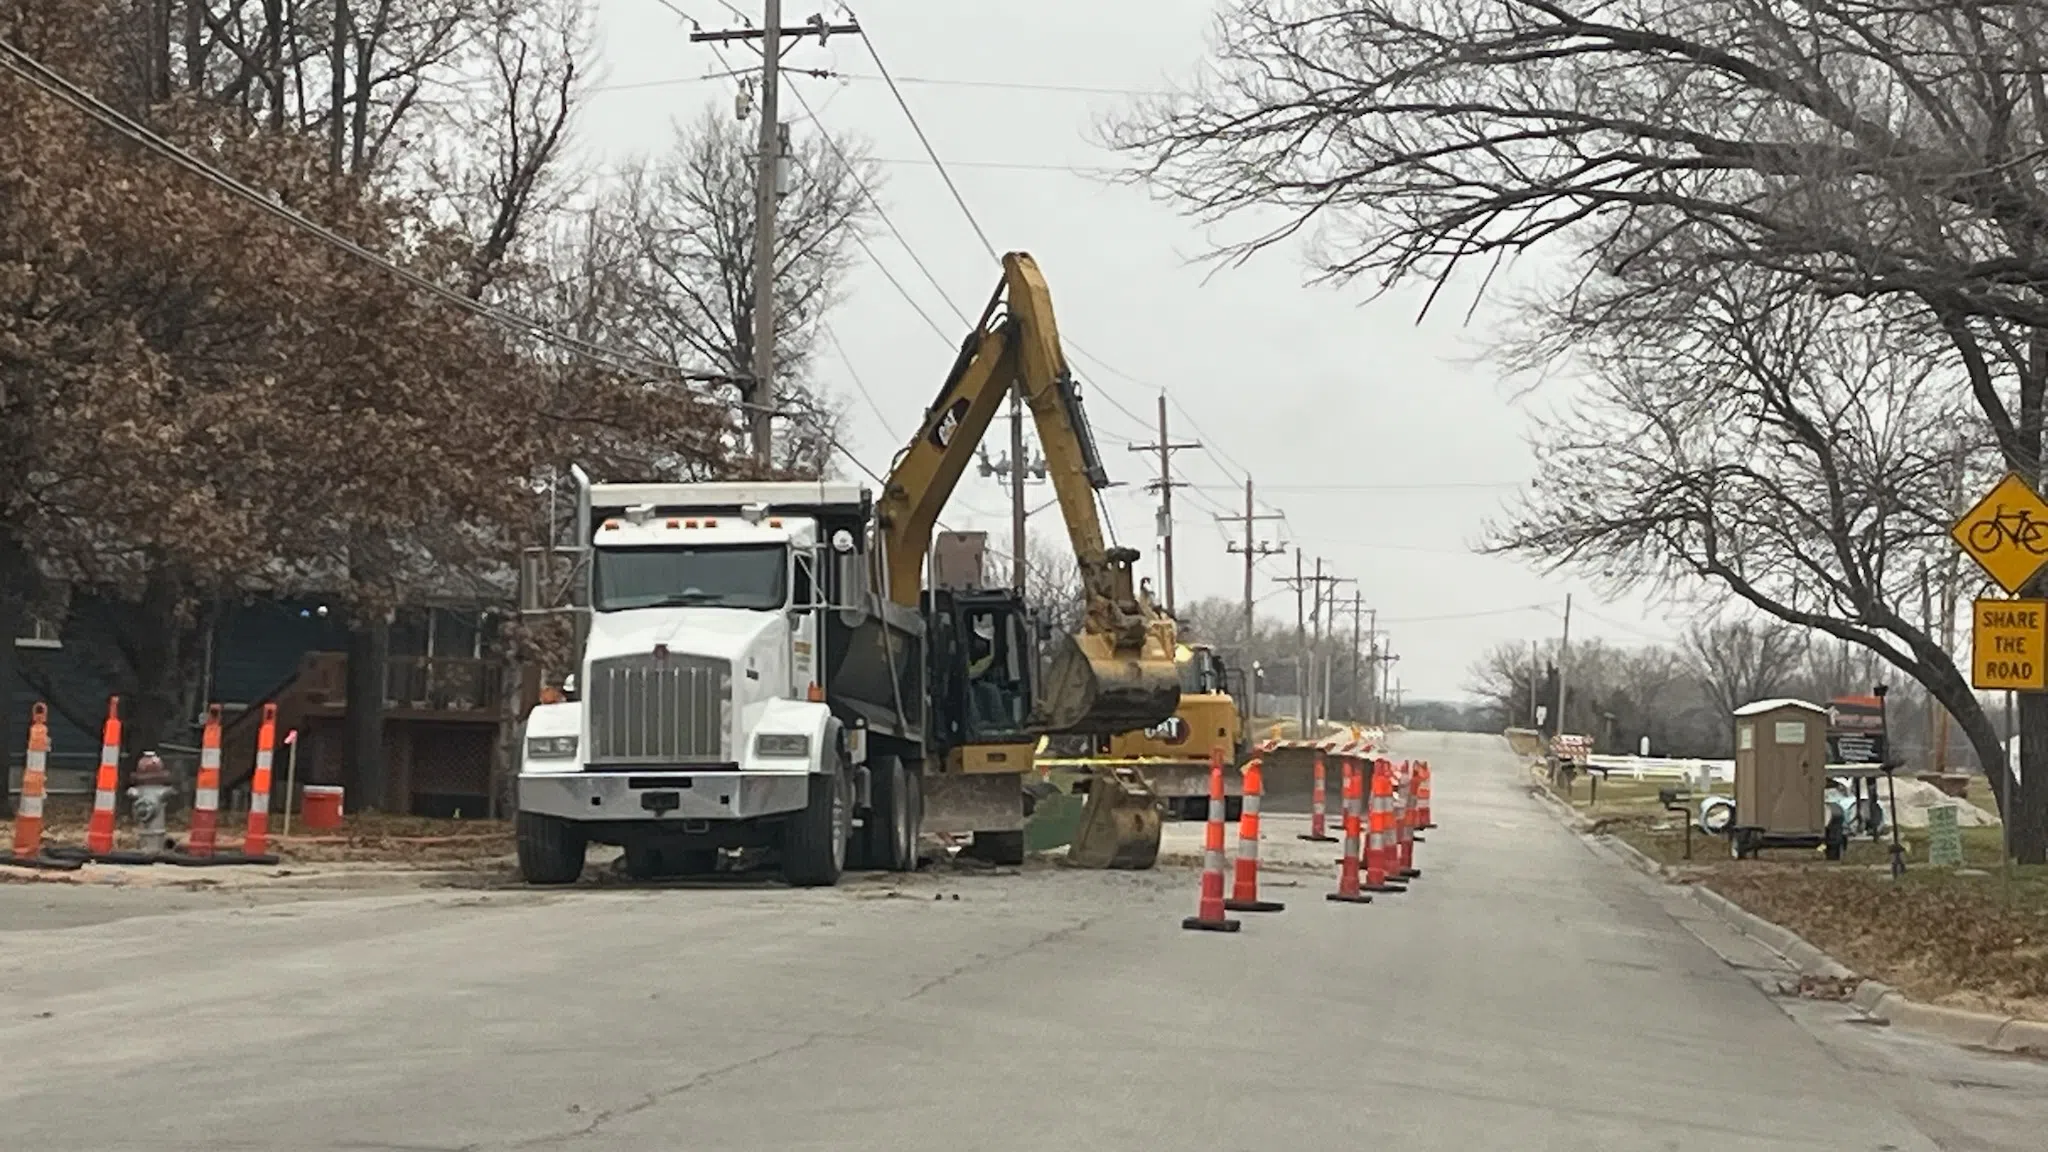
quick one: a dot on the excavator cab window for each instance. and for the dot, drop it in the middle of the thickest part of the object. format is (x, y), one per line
(987, 672)
(1202, 675)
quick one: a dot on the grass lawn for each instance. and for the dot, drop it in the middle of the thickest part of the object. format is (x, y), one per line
(1965, 937)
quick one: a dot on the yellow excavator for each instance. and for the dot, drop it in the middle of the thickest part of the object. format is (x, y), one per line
(1116, 673)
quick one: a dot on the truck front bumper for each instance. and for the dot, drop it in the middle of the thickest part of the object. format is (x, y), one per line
(610, 796)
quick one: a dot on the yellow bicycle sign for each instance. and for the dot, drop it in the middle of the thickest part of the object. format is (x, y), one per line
(2006, 532)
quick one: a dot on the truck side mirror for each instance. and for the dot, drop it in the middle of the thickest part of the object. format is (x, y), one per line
(803, 588)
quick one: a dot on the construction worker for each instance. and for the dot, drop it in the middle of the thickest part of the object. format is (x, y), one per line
(984, 688)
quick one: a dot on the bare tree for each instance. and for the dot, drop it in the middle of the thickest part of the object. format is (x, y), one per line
(1742, 660)
(1052, 583)
(681, 231)
(1877, 151)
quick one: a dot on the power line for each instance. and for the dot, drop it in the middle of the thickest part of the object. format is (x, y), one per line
(1433, 486)
(858, 384)
(921, 81)
(875, 202)
(868, 42)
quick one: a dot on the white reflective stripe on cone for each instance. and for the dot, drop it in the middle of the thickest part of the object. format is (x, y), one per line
(263, 759)
(109, 754)
(30, 805)
(37, 760)
(1212, 860)
(209, 758)
(103, 800)
(206, 799)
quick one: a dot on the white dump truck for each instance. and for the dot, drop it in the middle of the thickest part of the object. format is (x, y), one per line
(739, 686)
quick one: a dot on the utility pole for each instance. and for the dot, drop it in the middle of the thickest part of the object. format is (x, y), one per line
(1305, 643)
(1014, 469)
(1359, 697)
(1253, 550)
(1299, 583)
(1564, 651)
(771, 150)
(1326, 602)
(1165, 486)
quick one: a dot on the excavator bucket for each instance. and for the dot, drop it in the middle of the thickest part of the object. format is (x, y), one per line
(1089, 688)
(1120, 825)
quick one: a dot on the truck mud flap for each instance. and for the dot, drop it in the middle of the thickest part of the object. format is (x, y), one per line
(958, 803)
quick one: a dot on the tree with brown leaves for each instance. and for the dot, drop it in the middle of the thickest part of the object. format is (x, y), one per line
(199, 398)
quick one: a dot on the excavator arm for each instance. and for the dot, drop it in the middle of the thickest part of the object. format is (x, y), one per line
(1118, 672)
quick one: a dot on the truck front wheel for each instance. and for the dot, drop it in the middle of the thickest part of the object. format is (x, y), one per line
(550, 849)
(814, 840)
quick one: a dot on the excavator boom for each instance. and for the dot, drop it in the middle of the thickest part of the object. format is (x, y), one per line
(1117, 672)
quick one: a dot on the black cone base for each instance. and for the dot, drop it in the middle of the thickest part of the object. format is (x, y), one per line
(1255, 906)
(1197, 924)
(1346, 898)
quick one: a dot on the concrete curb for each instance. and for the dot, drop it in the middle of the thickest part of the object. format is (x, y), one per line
(1879, 1002)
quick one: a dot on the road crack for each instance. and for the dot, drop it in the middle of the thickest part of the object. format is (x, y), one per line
(862, 1025)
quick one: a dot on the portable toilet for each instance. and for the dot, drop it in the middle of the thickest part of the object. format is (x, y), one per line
(1781, 765)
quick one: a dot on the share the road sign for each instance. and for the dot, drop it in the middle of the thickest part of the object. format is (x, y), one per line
(2009, 645)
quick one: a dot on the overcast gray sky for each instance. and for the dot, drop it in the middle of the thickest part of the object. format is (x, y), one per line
(1381, 441)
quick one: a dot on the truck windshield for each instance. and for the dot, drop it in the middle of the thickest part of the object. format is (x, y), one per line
(753, 576)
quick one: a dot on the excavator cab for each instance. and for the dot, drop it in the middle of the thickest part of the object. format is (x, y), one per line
(983, 667)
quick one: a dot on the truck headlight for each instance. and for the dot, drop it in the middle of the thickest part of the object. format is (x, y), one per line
(550, 747)
(790, 744)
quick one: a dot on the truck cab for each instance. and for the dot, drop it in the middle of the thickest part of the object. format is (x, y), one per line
(728, 680)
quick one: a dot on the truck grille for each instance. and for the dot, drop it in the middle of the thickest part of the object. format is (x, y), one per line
(668, 710)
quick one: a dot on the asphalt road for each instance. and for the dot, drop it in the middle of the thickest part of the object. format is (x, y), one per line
(1528, 994)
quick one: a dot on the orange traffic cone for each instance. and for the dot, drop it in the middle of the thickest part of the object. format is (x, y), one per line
(205, 831)
(1244, 895)
(1318, 830)
(99, 829)
(1379, 847)
(1404, 825)
(256, 840)
(1422, 797)
(1209, 914)
(27, 849)
(1347, 873)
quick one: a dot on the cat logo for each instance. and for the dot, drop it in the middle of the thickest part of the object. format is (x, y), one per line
(949, 423)
(1172, 730)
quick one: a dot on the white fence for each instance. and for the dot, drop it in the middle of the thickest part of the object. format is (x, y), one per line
(1664, 768)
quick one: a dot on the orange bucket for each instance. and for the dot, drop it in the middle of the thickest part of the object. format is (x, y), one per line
(320, 806)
